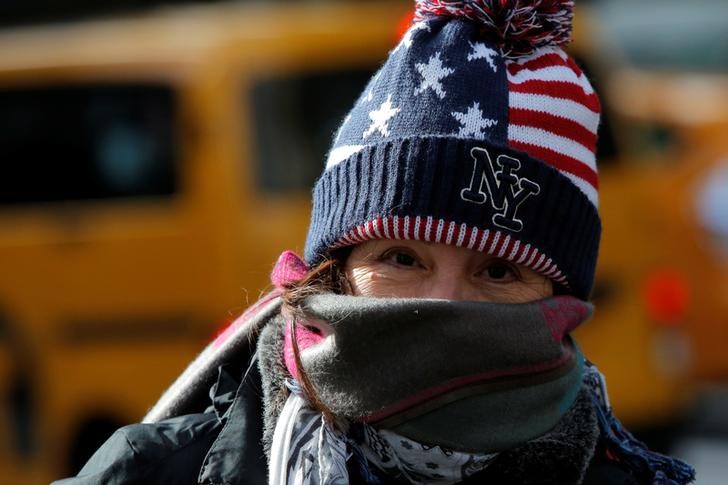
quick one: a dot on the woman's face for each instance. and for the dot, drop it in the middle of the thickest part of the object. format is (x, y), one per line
(416, 269)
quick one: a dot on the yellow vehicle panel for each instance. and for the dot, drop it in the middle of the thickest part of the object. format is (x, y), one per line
(109, 298)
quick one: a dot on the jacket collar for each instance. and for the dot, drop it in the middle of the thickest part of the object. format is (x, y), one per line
(237, 456)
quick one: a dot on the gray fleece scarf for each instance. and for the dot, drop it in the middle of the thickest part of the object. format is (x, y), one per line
(471, 376)
(468, 378)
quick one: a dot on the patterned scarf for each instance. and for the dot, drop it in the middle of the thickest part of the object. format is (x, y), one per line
(307, 450)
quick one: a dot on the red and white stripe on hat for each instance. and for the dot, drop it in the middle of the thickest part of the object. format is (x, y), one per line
(430, 229)
(554, 115)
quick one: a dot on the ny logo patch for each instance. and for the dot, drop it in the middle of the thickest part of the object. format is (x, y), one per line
(504, 190)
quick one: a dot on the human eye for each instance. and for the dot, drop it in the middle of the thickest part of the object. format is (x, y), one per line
(400, 257)
(500, 271)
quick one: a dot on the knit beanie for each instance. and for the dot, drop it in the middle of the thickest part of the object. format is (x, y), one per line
(478, 131)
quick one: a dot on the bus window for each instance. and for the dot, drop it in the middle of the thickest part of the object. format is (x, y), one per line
(295, 118)
(75, 142)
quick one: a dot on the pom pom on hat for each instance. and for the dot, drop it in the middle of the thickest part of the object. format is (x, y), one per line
(518, 27)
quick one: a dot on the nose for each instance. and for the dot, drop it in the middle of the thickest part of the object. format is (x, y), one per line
(446, 287)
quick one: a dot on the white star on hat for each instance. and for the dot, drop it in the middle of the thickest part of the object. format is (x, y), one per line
(473, 122)
(380, 118)
(433, 73)
(482, 51)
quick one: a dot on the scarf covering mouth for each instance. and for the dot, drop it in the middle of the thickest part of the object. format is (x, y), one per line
(472, 376)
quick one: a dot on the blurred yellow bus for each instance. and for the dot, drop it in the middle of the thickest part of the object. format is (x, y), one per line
(661, 324)
(154, 167)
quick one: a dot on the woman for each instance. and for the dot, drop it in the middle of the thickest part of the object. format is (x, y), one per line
(451, 251)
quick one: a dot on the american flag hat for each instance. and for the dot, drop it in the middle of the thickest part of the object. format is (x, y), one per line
(478, 131)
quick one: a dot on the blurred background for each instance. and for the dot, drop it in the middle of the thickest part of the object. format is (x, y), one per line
(158, 156)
